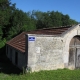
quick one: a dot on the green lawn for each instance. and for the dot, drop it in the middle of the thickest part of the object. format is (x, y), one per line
(44, 75)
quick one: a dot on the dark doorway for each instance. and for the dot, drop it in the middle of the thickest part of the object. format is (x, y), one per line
(74, 52)
(10, 54)
(16, 58)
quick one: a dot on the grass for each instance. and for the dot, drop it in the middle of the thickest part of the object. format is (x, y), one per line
(44, 75)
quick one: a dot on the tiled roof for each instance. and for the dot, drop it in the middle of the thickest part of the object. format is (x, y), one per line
(19, 43)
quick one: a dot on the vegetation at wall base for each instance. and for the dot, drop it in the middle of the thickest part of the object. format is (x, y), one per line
(61, 74)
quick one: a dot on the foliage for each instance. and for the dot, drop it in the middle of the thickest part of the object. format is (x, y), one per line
(2, 42)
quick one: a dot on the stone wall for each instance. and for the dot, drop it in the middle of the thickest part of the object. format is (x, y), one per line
(45, 53)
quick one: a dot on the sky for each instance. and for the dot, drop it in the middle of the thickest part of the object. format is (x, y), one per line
(70, 7)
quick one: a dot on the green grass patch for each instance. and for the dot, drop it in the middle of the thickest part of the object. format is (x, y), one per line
(63, 74)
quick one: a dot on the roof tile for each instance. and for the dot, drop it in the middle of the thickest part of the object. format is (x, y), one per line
(18, 42)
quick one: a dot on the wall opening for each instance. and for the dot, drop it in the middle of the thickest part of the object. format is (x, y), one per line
(10, 54)
(74, 52)
(16, 58)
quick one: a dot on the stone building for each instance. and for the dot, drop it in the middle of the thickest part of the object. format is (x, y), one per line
(46, 49)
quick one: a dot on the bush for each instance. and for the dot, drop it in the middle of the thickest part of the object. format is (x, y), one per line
(2, 43)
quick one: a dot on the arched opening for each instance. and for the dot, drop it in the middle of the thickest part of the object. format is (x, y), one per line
(74, 52)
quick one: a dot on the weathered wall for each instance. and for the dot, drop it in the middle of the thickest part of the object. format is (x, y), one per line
(21, 57)
(67, 38)
(45, 53)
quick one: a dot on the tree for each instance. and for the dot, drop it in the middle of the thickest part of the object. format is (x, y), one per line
(56, 18)
(19, 21)
(52, 19)
(5, 12)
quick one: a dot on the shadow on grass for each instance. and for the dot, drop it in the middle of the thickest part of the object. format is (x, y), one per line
(6, 66)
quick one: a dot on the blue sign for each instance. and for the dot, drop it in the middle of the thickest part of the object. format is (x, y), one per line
(31, 38)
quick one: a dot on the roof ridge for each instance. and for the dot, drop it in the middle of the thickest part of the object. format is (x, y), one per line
(57, 27)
